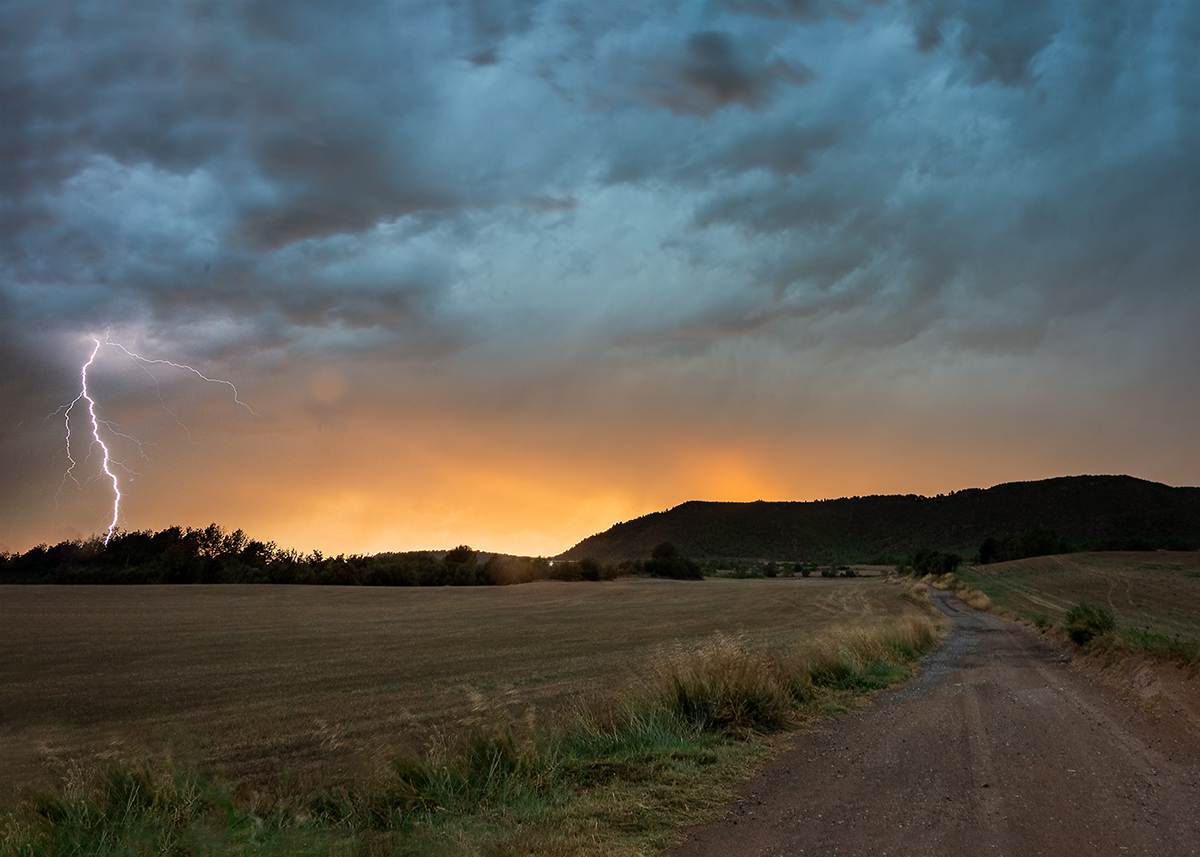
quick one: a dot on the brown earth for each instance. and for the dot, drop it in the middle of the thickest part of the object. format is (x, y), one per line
(1001, 746)
(317, 682)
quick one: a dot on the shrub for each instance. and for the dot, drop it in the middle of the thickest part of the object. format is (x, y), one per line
(666, 560)
(1038, 541)
(590, 569)
(926, 561)
(1085, 623)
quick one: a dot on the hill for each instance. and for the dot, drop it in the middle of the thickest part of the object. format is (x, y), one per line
(1084, 513)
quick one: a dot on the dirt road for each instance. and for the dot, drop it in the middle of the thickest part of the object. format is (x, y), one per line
(1000, 747)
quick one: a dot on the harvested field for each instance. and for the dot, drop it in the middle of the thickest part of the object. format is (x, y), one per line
(312, 682)
(1156, 593)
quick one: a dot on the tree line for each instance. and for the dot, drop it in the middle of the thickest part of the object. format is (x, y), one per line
(1038, 541)
(211, 555)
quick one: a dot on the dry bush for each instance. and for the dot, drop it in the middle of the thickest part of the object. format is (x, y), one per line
(975, 599)
(968, 595)
(943, 582)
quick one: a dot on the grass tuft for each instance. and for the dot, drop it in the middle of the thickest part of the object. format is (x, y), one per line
(725, 686)
(1085, 623)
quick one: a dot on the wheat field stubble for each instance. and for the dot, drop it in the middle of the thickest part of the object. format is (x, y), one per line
(313, 682)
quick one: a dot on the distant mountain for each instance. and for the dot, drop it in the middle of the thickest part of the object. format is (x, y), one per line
(1086, 512)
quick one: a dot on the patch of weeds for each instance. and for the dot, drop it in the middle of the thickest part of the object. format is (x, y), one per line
(847, 675)
(1085, 623)
(129, 807)
(831, 708)
(1040, 621)
(1171, 647)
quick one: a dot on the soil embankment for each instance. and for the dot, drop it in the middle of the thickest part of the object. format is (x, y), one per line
(1000, 747)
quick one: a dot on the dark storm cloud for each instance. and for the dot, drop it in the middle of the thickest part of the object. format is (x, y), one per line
(223, 133)
(800, 11)
(1066, 202)
(480, 194)
(549, 203)
(713, 74)
(326, 113)
(301, 164)
(992, 41)
(785, 151)
(489, 23)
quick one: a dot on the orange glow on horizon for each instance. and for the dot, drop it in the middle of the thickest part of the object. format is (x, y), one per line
(346, 474)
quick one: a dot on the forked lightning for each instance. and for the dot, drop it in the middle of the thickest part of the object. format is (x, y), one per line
(107, 461)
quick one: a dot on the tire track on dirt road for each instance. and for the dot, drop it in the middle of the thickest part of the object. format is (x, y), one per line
(999, 747)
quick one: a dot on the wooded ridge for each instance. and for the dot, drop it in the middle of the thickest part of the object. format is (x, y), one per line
(1074, 512)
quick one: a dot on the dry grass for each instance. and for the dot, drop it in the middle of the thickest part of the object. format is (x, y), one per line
(967, 594)
(313, 683)
(732, 685)
(586, 777)
(975, 599)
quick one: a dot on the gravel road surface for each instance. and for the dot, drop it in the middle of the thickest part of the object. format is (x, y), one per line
(1000, 747)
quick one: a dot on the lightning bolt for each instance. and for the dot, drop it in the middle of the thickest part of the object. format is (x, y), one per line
(148, 361)
(107, 461)
(105, 464)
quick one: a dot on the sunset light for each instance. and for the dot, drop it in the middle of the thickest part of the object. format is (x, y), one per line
(509, 277)
(682, 428)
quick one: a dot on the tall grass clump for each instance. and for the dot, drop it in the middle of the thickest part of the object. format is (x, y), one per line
(1085, 623)
(917, 594)
(120, 806)
(975, 599)
(728, 686)
(614, 777)
(861, 660)
(724, 685)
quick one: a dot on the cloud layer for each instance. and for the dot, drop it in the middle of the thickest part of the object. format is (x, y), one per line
(477, 251)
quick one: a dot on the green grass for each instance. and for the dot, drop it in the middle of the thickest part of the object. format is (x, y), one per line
(616, 778)
(1153, 597)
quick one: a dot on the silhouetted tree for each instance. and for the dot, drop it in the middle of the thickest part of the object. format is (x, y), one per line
(666, 560)
(927, 561)
(590, 569)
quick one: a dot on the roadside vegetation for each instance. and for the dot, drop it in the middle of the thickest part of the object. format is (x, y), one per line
(612, 777)
(1144, 603)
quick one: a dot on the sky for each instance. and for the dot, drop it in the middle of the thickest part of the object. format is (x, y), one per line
(507, 273)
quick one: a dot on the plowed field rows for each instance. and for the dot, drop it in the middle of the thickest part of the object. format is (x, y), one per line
(313, 681)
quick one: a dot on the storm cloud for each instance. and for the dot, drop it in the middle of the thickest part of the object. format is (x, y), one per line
(547, 209)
